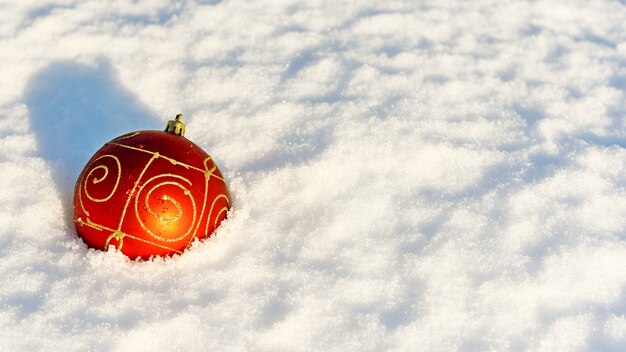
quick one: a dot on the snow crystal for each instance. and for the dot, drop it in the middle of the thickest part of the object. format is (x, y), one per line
(406, 175)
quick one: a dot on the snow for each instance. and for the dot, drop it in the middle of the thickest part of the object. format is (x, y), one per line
(406, 175)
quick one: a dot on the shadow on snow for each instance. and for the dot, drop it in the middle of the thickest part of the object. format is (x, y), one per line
(74, 109)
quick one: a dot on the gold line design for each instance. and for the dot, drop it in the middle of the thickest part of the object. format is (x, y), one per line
(206, 229)
(126, 136)
(224, 209)
(118, 234)
(173, 183)
(83, 185)
(171, 160)
(207, 176)
(97, 180)
(165, 198)
(80, 194)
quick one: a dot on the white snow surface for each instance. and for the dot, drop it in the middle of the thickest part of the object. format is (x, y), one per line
(406, 175)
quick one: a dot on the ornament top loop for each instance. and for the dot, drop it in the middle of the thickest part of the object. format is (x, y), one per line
(176, 126)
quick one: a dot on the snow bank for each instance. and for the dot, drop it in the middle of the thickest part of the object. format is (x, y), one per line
(407, 175)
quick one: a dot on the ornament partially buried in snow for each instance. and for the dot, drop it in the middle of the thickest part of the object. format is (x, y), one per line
(149, 193)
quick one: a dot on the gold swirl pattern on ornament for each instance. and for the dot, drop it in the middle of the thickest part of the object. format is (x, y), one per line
(97, 180)
(207, 176)
(177, 217)
(126, 136)
(119, 236)
(217, 217)
(207, 171)
(206, 229)
(166, 198)
(132, 192)
(171, 160)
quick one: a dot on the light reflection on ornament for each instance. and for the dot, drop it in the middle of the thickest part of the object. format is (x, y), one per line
(149, 193)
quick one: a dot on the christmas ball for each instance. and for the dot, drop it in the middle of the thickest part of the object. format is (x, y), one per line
(149, 193)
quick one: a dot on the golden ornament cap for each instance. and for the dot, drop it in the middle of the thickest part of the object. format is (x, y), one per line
(176, 126)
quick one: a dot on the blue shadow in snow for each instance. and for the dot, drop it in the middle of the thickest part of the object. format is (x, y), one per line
(74, 109)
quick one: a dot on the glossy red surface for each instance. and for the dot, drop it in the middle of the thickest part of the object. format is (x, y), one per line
(149, 193)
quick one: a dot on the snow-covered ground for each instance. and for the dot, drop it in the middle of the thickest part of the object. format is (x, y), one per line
(407, 175)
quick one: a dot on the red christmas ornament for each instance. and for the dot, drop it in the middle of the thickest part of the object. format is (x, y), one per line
(149, 193)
